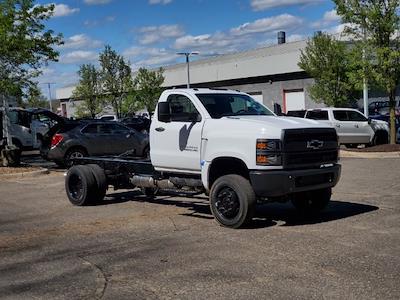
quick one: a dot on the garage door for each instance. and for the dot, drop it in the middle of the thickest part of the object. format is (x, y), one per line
(294, 101)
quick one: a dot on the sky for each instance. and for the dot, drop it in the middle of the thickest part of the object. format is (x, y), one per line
(149, 33)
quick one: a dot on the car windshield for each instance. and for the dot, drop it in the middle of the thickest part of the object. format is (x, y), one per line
(223, 105)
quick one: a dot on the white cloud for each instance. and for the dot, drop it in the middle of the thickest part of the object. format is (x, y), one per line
(150, 57)
(62, 10)
(92, 23)
(81, 41)
(258, 5)
(159, 2)
(239, 38)
(96, 2)
(328, 18)
(154, 34)
(271, 24)
(79, 56)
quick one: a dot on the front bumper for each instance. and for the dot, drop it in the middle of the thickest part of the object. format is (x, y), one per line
(284, 182)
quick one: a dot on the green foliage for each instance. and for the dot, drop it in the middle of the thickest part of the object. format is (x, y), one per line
(116, 78)
(327, 61)
(148, 89)
(25, 44)
(88, 91)
(375, 28)
(35, 98)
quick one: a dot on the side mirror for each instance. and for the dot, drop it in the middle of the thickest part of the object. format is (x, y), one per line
(369, 120)
(164, 112)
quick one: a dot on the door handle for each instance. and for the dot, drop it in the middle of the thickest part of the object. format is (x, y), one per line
(160, 129)
(356, 126)
(337, 125)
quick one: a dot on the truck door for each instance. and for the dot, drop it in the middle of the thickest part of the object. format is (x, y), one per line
(178, 142)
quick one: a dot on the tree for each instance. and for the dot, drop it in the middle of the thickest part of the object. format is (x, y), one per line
(327, 61)
(25, 43)
(89, 91)
(116, 78)
(375, 28)
(148, 88)
(35, 98)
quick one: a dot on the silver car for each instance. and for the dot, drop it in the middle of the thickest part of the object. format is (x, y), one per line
(353, 127)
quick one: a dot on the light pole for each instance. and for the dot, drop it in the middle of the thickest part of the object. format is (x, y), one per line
(49, 87)
(187, 54)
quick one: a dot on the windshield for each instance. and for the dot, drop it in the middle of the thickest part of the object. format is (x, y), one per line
(223, 105)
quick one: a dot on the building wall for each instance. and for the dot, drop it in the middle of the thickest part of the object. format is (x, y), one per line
(273, 92)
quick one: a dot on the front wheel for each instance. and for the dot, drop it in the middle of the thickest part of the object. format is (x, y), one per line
(232, 201)
(312, 201)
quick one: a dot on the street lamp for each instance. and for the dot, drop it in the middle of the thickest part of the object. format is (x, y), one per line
(187, 54)
(49, 87)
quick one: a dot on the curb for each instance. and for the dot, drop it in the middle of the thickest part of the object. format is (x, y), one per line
(355, 154)
(26, 174)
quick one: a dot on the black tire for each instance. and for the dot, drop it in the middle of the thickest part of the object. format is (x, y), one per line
(232, 201)
(81, 186)
(380, 138)
(17, 144)
(101, 181)
(312, 201)
(72, 153)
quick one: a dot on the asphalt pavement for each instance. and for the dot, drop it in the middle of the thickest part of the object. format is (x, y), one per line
(131, 247)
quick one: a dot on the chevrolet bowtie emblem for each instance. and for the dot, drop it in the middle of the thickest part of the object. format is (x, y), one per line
(315, 144)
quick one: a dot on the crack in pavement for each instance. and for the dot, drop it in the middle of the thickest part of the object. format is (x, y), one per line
(101, 277)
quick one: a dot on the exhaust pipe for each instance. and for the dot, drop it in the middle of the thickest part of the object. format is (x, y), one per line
(171, 183)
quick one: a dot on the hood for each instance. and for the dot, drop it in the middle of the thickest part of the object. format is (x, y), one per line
(281, 122)
(379, 125)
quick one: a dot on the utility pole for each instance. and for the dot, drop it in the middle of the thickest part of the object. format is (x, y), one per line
(49, 87)
(187, 55)
(365, 82)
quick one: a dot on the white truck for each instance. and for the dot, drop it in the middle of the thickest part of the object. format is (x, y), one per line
(224, 144)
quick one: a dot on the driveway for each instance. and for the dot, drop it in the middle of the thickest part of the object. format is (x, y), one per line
(170, 247)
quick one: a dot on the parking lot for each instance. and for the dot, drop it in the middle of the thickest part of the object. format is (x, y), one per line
(170, 247)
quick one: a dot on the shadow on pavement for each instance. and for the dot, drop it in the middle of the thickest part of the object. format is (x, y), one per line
(267, 214)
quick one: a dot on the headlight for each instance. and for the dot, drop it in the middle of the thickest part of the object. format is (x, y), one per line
(268, 152)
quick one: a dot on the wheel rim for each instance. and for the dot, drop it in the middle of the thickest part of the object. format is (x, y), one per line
(227, 203)
(75, 187)
(76, 154)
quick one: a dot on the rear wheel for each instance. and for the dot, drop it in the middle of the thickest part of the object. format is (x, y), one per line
(72, 154)
(232, 201)
(101, 181)
(81, 185)
(312, 201)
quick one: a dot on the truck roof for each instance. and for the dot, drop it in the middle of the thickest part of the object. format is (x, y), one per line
(204, 91)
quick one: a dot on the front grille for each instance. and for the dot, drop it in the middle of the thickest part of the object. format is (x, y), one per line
(311, 146)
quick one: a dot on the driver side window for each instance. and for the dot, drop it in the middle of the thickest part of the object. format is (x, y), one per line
(182, 109)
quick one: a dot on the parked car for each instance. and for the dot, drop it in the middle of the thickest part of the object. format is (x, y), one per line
(28, 126)
(138, 123)
(108, 118)
(82, 138)
(352, 127)
(382, 108)
(296, 113)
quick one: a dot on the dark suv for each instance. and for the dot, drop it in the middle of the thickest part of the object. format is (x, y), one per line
(94, 138)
